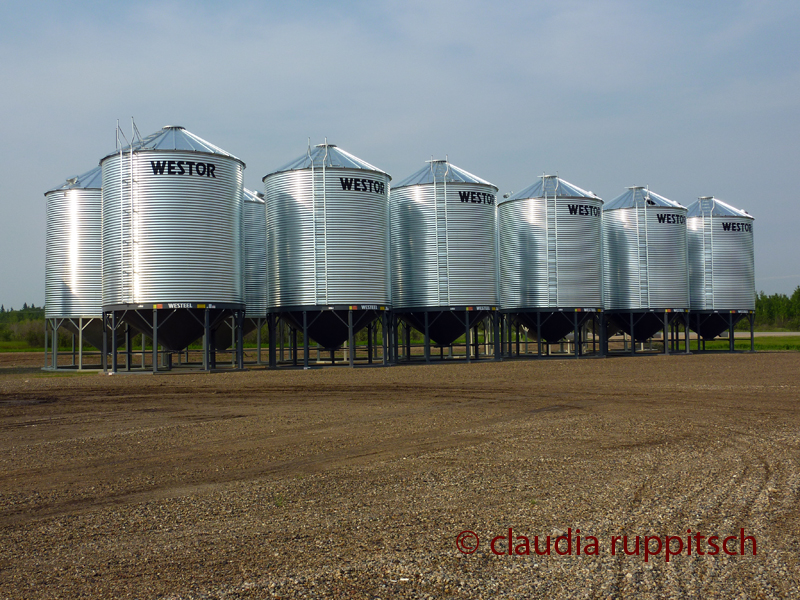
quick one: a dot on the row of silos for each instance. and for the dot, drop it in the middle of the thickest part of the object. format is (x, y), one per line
(178, 228)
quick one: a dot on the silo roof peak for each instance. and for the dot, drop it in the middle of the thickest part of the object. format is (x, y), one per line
(439, 170)
(639, 196)
(175, 137)
(552, 186)
(329, 156)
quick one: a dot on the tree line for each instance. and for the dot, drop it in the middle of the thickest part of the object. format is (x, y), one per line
(778, 311)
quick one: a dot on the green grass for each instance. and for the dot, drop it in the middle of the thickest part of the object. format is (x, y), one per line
(16, 346)
(762, 344)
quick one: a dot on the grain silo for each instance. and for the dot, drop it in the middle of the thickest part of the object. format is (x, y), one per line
(550, 255)
(328, 248)
(444, 254)
(721, 267)
(172, 239)
(254, 238)
(73, 283)
(646, 280)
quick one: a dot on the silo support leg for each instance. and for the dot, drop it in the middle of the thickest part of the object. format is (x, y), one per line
(731, 334)
(259, 325)
(384, 338)
(603, 336)
(105, 342)
(113, 342)
(155, 340)
(128, 347)
(496, 336)
(633, 338)
(666, 333)
(305, 339)
(80, 343)
(206, 341)
(240, 340)
(46, 346)
(466, 338)
(272, 328)
(427, 340)
(752, 319)
(576, 335)
(393, 337)
(212, 350)
(686, 333)
(539, 335)
(351, 349)
(369, 343)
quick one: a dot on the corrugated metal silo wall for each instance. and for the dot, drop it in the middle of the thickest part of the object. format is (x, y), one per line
(444, 247)
(721, 263)
(327, 237)
(645, 258)
(73, 270)
(183, 228)
(255, 258)
(550, 253)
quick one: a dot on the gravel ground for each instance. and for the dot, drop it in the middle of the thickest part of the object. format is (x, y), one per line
(355, 483)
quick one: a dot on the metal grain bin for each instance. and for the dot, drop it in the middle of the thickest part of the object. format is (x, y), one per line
(328, 240)
(645, 252)
(172, 230)
(645, 255)
(550, 239)
(255, 255)
(721, 263)
(73, 269)
(254, 237)
(443, 245)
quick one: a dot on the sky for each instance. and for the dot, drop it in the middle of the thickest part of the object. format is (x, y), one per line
(690, 98)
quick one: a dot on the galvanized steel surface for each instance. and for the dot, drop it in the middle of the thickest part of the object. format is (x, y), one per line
(255, 254)
(73, 268)
(327, 234)
(175, 137)
(443, 240)
(645, 252)
(328, 156)
(721, 259)
(173, 232)
(550, 247)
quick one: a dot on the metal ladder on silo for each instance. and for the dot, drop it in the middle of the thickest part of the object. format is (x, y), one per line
(642, 251)
(129, 210)
(320, 229)
(552, 247)
(442, 247)
(708, 261)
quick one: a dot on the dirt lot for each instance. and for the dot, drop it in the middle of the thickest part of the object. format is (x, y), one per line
(355, 483)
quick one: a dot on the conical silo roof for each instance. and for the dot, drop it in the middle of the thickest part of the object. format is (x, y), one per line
(439, 171)
(551, 186)
(328, 155)
(175, 137)
(710, 206)
(638, 196)
(91, 180)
